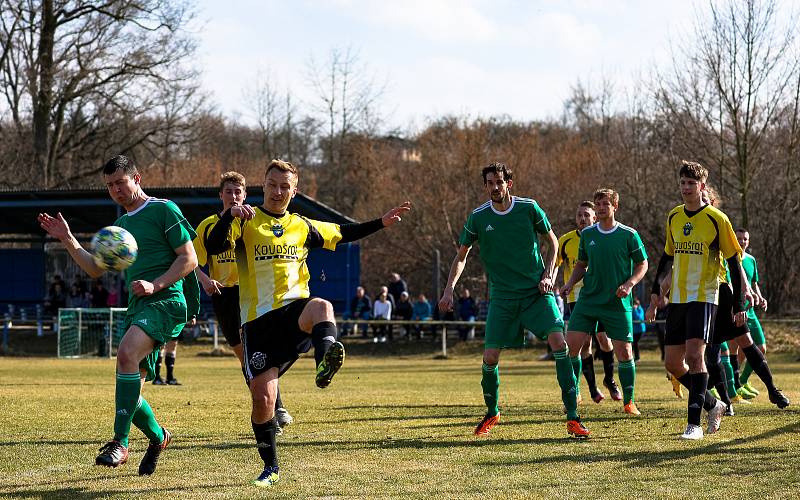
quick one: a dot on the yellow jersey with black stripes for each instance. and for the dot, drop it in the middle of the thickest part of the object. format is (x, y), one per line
(568, 256)
(221, 267)
(271, 258)
(699, 242)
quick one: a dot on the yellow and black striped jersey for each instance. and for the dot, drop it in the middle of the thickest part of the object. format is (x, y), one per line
(699, 242)
(221, 267)
(568, 256)
(271, 257)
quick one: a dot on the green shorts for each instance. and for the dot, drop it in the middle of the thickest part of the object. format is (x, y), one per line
(618, 325)
(756, 332)
(508, 318)
(161, 320)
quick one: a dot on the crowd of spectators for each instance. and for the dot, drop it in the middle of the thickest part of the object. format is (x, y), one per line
(394, 302)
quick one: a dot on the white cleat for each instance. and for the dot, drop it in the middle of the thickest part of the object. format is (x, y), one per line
(693, 432)
(714, 417)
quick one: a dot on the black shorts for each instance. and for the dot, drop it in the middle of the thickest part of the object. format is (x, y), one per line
(226, 309)
(724, 327)
(274, 340)
(693, 320)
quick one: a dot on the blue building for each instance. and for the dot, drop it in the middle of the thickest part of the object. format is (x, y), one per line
(29, 259)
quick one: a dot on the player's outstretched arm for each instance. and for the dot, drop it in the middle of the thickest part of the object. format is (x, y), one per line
(356, 231)
(184, 263)
(58, 228)
(394, 215)
(456, 268)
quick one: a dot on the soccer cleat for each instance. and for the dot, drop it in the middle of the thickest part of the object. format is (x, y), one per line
(613, 389)
(693, 432)
(267, 478)
(749, 388)
(330, 364)
(486, 425)
(282, 417)
(777, 398)
(740, 400)
(158, 381)
(577, 430)
(631, 409)
(745, 393)
(714, 417)
(150, 459)
(598, 396)
(112, 454)
(729, 411)
(173, 381)
(677, 388)
(714, 392)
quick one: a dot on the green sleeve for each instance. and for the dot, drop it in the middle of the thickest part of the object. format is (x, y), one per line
(637, 252)
(755, 270)
(176, 228)
(540, 222)
(469, 234)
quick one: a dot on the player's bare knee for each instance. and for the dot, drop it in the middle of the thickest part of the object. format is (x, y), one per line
(491, 357)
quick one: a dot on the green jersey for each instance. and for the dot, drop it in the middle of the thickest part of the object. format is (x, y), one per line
(159, 228)
(509, 246)
(751, 271)
(610, 257)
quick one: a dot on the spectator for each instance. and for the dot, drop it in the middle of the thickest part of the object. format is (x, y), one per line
(389, 296)
(56, 281)
(76, 297)
(467, 310)
(661, 327)
(638, 328)
(396, 288)
(404, 311)
(57, 298)
(99, 294)
(113, 298)
(382, 310)
(360, 308)
(421, 312)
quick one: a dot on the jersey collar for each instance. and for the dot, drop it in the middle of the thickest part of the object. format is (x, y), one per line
(600, 229)
(504, 212)
(274, 216)
(146, 202)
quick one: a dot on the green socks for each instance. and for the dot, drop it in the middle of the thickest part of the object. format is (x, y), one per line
(127, 398)
(627, 378)
(576, 370)
(490, 382)
(145, 420)
(747, 370)
(567, 382)
(730, 386)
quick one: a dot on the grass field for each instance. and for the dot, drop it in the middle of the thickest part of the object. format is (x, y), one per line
(388, 426)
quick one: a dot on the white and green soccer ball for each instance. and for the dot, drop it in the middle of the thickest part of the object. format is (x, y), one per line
(114, 248)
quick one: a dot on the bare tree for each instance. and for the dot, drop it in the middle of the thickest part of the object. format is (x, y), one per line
(723, 100)
(79, 76)
(348, 95)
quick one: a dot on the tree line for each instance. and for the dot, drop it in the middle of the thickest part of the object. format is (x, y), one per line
(81, 81)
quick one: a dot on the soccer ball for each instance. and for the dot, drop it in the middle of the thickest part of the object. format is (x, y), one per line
(114, 248)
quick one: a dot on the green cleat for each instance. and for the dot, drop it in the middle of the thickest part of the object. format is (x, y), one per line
(330, 364)
(744, 393)
(714, 392)
(267, 478)
(750, 388)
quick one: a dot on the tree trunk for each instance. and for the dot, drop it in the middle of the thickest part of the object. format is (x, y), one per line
(44, 98)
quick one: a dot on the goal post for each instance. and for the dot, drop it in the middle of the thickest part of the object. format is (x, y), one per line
(90, 331)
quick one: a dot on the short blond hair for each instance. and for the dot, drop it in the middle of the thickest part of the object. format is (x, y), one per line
(283, 166)
(232, 178)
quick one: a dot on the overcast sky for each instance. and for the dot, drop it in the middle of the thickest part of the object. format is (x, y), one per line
(474, 57)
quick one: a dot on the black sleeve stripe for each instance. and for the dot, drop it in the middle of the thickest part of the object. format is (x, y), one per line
(314, 238)
(669, 221)
(715, 243)
(563, 250)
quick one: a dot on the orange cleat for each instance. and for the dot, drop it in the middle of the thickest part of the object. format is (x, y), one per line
(577, 430)
(486, 425)
(631, 409)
